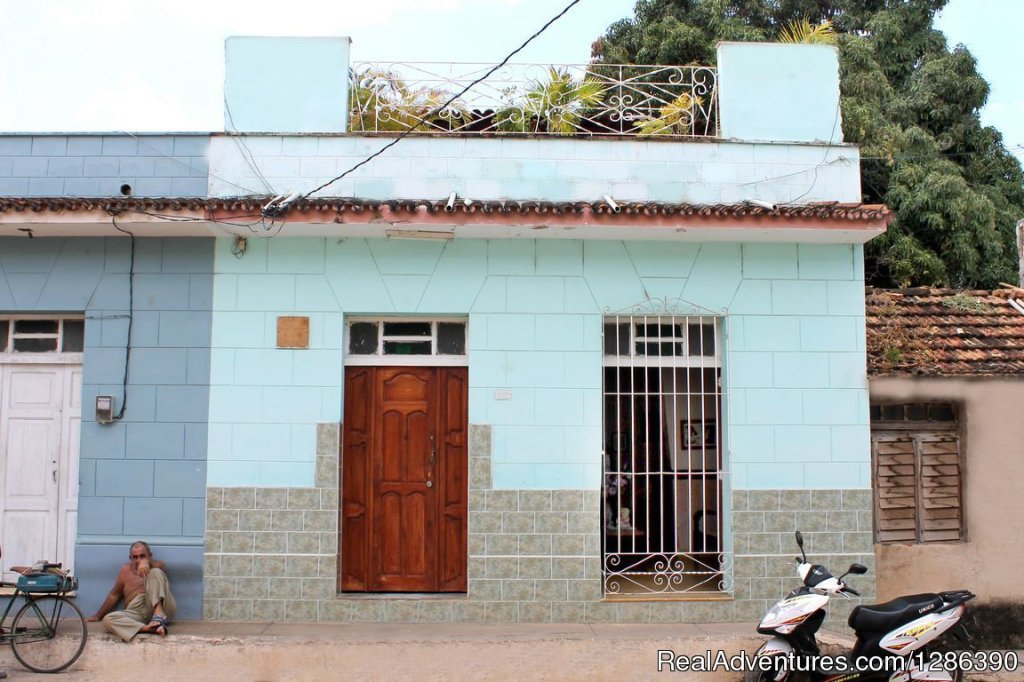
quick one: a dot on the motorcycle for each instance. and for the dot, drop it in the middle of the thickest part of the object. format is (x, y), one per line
(896, 641)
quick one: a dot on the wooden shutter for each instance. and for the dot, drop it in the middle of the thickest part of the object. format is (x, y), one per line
(917, 484)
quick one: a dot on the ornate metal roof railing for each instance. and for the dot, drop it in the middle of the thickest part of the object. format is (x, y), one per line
(534, 99)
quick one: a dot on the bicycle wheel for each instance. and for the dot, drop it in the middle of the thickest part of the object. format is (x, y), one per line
(48, 634)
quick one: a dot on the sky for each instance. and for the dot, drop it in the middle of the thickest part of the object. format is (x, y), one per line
(157, 65)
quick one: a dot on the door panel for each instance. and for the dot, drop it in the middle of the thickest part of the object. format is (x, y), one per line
(404, 480)
(407, 555)
(67, 480)
(39, 421)
(454, 479)
(355, 481)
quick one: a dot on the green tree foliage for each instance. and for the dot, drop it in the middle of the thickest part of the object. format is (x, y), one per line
(908, 100)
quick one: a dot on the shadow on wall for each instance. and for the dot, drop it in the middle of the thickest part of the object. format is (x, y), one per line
(97, 565)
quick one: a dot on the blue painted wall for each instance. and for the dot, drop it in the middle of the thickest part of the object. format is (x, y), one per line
(145, 476)
(794, 324)
(98, 165)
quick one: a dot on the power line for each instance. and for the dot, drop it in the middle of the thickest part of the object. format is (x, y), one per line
(178, 161)
(440, 108)
(131, 319)
(244, 150)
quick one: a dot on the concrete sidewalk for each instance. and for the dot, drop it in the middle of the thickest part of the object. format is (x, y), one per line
(197, 651)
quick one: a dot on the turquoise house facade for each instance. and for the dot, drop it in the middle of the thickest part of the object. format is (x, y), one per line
(512, 379)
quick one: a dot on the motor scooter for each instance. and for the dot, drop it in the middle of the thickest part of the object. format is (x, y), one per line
(896, 641)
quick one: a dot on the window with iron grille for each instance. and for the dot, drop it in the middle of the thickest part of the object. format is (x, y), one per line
(917, 473)
(662, 510)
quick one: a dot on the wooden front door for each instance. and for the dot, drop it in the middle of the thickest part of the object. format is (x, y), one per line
(404, 480)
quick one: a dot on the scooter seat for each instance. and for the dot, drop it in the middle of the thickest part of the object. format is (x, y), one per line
(885, 617)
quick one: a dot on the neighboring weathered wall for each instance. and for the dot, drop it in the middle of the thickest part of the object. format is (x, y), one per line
(143, 477)
(484, 168)
(98, 165)
(992, 433)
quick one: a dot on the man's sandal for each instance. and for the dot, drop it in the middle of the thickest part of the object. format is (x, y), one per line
(160, 623)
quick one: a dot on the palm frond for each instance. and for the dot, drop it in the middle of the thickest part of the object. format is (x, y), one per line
(802, 31)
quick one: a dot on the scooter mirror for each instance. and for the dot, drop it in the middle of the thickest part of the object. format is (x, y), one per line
(799, 540)
(857, 569)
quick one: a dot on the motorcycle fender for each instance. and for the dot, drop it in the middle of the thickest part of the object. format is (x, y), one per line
(920, 632)
(775, 647)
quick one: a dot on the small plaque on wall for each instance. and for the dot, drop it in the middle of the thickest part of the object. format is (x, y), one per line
(292, 332)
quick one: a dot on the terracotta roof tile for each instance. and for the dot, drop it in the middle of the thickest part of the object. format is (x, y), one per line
(826, 210)
(945, 333)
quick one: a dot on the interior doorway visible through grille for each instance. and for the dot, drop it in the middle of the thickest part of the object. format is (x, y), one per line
(662, 510)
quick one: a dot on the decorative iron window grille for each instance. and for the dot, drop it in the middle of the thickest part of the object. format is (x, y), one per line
(42, 335)
(662, 512)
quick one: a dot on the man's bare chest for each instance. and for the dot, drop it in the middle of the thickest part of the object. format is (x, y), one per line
(134, 584)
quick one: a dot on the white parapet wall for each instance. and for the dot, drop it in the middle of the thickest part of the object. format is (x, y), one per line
(549, 169)
(780, 138)
(293, 85)
(781, 93)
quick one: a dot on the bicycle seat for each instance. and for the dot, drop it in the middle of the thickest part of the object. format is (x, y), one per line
(884, 617)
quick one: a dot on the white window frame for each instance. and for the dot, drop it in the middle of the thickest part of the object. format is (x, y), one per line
(380, 359)
(57, 357)
(686, 359)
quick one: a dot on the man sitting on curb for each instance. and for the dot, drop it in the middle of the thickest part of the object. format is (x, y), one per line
(148, 603)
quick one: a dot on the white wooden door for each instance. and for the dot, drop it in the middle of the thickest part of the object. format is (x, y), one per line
(40, 412)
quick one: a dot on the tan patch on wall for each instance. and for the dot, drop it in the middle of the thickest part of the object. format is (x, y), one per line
(292, 332)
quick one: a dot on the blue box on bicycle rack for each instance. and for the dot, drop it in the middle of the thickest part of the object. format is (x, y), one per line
(47, 582)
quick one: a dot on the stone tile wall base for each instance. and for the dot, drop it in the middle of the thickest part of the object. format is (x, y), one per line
(837, 530)
(534, 555)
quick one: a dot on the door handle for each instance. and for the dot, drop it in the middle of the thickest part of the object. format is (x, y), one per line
(430, 461)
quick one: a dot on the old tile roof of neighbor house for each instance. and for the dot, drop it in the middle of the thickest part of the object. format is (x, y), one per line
(941, 332)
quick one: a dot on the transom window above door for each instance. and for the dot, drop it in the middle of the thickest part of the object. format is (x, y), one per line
(406, 341)
(42, 335)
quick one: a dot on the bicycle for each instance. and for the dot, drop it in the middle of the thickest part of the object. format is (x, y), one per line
(48, 632)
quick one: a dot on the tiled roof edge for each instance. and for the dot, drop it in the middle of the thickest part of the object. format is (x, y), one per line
(830, 210)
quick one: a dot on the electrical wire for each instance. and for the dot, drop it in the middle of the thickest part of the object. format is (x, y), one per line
(828, 149)
(434, 112)
(131, 316)
(905, 157)
(182, 163)
(244, 150)
(184, 219)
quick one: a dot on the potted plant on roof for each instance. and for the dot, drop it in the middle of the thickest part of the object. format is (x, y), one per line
(675, 118)
(556, 105)
(381, 101)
